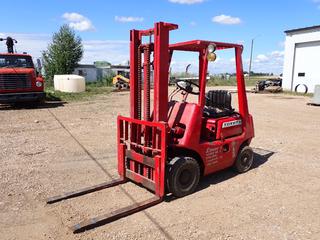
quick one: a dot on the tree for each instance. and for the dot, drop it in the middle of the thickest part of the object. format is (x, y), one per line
(63, 54)
(101, 63)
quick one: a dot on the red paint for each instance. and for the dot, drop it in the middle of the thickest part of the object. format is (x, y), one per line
(176, 126)
(172, 128)
(14, 90)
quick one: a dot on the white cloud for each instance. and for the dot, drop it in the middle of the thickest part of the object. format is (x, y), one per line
(274, 56)
(31, 43)
(114, 51)
(189, 2)
(269, 62)
(261, 58)
(124, 19)
(78, 22)
(73, 17)
(277, 54)
(225, 19)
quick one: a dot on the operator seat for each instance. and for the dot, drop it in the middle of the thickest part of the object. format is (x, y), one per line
(218, 104)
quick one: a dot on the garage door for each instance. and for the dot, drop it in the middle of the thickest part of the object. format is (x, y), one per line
(306, 66)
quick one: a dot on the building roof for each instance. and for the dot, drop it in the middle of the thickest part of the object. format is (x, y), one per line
(120, 66)
(86, 66)
(296, 30)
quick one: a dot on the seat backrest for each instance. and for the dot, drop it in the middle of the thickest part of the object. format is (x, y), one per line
(219, 99)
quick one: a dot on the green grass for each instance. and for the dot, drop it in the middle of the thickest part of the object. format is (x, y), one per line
(298, 94)
(92, 89)
(216, 81)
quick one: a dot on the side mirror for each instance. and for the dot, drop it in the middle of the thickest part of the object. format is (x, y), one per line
(39, 68)
(39, 65)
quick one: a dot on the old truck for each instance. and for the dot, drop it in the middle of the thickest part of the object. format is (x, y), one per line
(20, 81)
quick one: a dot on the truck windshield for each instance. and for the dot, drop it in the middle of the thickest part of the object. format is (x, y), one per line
(7, 61)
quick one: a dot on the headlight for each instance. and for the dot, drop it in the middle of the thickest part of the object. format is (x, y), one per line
(38, 84)
(211, 48)
(211, 57)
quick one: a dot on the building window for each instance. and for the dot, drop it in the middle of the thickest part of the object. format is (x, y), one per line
(82, 72)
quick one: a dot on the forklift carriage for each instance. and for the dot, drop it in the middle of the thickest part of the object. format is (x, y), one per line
(168, 148)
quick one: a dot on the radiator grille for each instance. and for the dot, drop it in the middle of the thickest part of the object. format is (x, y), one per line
(14, 81)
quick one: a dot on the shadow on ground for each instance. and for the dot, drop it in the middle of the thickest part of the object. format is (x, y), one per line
(261, 156)
(45, 105)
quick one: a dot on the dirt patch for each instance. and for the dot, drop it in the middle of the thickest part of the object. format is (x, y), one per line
(46, 151)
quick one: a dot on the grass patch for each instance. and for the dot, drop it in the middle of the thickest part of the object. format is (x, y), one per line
(92, 89)
(298, 94)
(232, 81)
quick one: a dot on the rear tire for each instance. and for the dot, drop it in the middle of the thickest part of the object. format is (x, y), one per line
(183, 176)
(244, 160)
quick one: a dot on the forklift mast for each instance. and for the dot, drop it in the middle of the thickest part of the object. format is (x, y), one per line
(140, 59)
(160, 48)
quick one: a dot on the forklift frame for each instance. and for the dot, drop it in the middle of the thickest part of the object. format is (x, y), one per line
(143, 138)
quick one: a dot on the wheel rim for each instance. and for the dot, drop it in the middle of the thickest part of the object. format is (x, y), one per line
(185, 178)
(246, 161)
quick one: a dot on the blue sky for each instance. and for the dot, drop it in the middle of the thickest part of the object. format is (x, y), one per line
(104, 26)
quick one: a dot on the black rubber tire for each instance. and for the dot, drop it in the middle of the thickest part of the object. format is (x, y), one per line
(244, 160)
(183, 176)
(125, 86)
(41, 101)
(305, 88)
(117, 86)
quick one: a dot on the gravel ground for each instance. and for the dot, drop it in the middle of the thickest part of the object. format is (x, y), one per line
(59, 148)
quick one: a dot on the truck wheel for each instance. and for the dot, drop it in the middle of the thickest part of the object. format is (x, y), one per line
(244, 160)
(41, 101)
(183, 176)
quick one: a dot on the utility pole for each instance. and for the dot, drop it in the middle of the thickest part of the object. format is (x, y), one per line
(250, 59)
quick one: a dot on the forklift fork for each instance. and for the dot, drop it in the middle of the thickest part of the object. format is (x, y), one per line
(84, 191)
(108, 217)
(142, 144)
(140, 160)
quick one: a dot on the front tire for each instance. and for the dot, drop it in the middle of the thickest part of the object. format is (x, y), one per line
(244, 160)
(125, 86)
(183, 176)
(117, 86)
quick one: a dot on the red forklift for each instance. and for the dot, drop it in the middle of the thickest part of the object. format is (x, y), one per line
(168, 145)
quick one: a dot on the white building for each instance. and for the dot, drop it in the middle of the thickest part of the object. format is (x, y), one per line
(301, 60)
(90, 72)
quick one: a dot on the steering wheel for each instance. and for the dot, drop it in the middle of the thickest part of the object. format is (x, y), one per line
(187, 86)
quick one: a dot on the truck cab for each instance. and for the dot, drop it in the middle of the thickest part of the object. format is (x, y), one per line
(19, 79)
